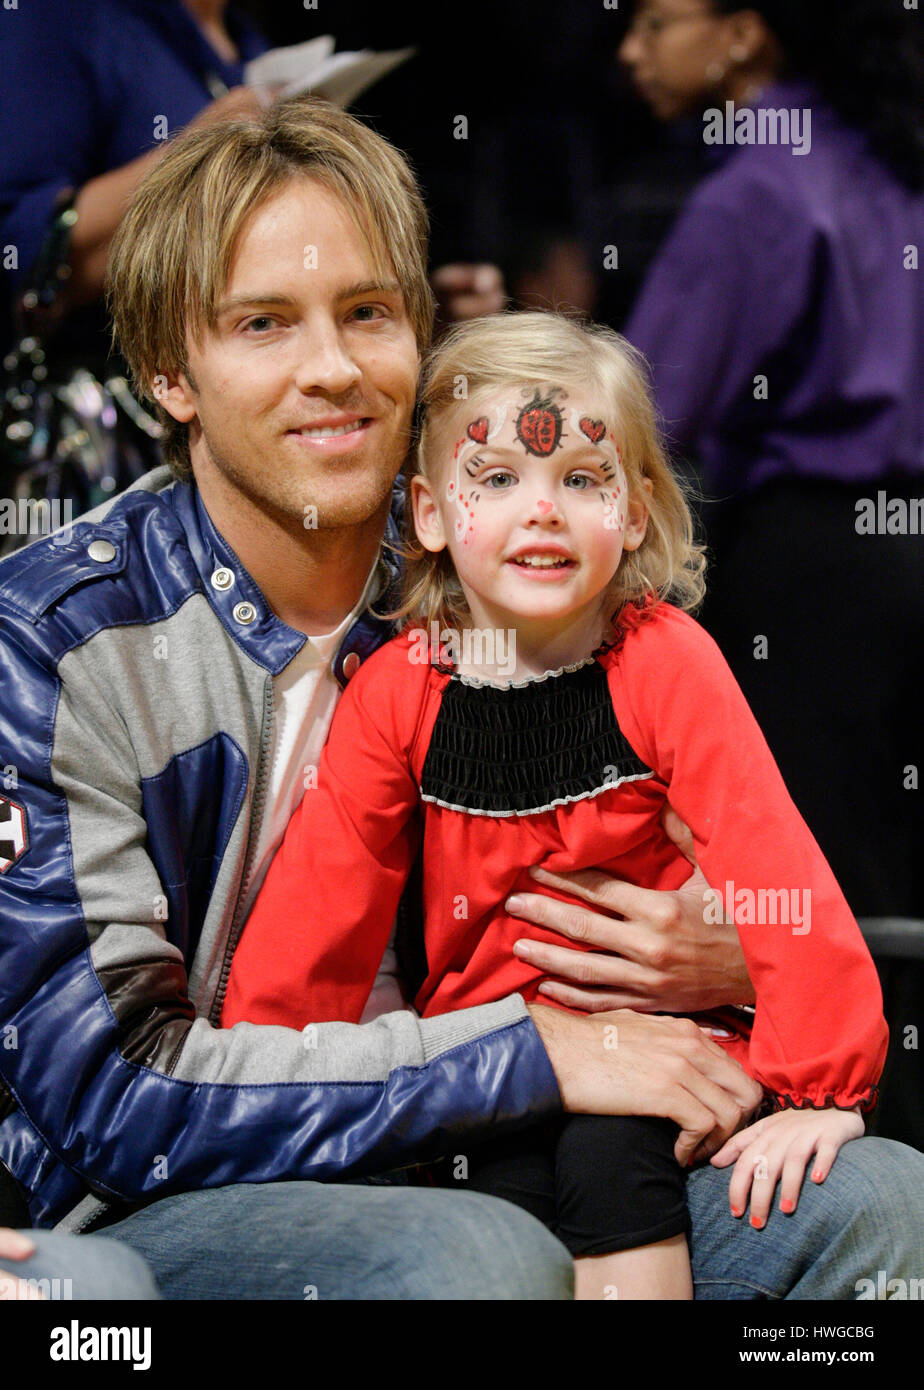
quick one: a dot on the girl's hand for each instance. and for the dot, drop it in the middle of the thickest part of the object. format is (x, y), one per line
(781, 1145)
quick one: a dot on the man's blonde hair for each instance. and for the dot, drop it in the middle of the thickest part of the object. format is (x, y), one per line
(541, 350)
(171, 256)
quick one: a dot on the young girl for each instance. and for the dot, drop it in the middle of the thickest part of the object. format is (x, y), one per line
(542, 704)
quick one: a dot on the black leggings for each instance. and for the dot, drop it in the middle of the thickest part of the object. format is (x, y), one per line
(600, 1183)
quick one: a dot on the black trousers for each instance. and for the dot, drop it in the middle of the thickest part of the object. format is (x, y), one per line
(600, 1183)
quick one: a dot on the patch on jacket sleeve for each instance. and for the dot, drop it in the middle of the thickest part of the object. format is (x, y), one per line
(14, 833)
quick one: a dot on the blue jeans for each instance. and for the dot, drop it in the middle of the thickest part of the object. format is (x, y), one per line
(868, 1215)
(307, 1240)
(298, 1240)
(69, 1267)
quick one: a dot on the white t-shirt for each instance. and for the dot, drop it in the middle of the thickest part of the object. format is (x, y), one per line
(305, 696)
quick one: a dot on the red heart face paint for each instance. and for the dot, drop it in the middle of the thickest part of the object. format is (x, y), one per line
(479, 431)
(595, 430)
(613, 496)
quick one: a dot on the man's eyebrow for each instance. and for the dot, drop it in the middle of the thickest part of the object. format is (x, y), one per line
(244, 301)
(368, 287)
(356, 291)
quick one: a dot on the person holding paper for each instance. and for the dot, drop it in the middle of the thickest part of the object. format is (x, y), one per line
(112, 92)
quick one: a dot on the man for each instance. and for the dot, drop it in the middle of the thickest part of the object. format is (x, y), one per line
(162, 713)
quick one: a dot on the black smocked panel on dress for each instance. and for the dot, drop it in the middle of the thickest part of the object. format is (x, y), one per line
(524, 748)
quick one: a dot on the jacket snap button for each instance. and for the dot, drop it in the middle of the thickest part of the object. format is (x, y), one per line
(103, 551)
(222, 579)
(245, 613)
(351, 664)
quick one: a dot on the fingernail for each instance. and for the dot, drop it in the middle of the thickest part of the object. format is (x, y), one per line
(818, 1176)
(737, 1211)
(758, 1223)
(537, 871)
(514, 904)
(787, 1204)
(522, 948)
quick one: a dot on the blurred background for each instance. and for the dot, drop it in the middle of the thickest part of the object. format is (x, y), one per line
(776, 295)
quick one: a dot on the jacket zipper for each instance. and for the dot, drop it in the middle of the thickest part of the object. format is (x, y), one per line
(256, 821)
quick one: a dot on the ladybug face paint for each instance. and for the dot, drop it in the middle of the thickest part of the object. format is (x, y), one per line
(539, 426)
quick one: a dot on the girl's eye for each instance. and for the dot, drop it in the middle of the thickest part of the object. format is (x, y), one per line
(497, 481)
(580, 481)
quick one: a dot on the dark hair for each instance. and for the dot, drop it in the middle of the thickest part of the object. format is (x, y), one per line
(867, 59)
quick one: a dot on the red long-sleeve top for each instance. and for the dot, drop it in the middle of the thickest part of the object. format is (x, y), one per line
(569, 771)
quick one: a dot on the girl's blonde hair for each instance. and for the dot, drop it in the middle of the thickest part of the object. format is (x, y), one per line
(542, 350)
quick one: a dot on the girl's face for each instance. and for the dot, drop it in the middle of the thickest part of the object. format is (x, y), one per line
(528, 492)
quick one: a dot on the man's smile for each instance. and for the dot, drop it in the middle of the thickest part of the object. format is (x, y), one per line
(332, 436)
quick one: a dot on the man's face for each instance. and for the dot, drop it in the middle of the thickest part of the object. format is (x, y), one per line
(304, 391)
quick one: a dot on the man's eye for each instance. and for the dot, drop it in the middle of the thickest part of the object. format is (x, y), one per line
(261, 323)
(366, 313)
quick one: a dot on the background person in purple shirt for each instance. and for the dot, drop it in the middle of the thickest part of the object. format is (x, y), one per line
(784, 321)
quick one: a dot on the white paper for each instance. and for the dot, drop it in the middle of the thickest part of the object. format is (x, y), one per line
(314, 67)
(284, 65)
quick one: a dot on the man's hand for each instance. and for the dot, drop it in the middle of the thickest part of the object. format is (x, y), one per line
(468, 291)
(623, 1063)
(660, 955)
(15, 1246)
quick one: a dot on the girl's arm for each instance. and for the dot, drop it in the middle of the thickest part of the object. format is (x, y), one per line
(316, 935)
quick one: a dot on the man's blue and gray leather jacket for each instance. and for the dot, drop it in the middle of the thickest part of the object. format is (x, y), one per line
(136, 714)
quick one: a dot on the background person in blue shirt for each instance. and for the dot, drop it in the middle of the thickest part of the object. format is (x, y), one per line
(93, 106)
(94, 102)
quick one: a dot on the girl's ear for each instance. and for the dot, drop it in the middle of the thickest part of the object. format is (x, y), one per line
(427, 519)
(637, 515)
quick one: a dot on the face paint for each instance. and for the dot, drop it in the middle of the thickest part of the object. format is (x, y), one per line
(595, 430)
(614, 511)
(539, 424)
(614, 508)
(478, 432)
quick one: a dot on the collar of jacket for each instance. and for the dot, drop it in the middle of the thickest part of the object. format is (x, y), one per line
(243, 610)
